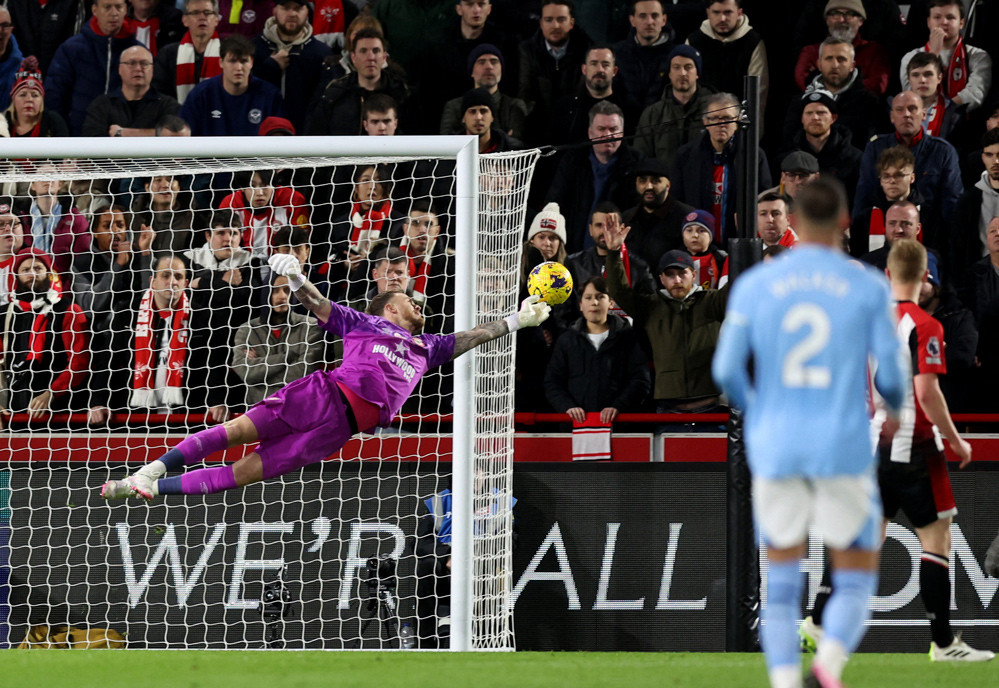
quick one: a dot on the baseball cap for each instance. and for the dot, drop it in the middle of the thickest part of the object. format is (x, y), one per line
(700, 217)
(800, 161)
(675, 259)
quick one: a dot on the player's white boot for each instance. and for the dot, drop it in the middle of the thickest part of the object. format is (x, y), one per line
(959, 651)
(811, 634)
(137, 485)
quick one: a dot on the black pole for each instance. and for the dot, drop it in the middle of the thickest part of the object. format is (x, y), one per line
(742, 593)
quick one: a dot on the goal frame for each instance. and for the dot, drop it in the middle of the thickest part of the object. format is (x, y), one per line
(464, 149)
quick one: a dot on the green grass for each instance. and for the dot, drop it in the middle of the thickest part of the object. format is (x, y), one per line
(201, 669)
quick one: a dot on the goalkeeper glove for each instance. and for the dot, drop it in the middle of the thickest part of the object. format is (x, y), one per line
(533, 312)
(288, 266)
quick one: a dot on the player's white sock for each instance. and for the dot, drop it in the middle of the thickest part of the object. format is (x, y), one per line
(785, 677)
(832, 657)
(154, 470)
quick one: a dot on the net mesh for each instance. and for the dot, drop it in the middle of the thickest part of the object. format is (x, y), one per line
(345, 553)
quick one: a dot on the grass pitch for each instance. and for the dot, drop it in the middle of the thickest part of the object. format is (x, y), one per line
(236, 669)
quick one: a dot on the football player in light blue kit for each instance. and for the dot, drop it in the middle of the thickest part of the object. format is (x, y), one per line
(806, 323)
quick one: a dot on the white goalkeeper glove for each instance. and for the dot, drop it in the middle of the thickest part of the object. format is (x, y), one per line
(533, 312)
(288, 266)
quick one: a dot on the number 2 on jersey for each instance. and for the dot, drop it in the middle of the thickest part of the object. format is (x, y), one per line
(796, 372)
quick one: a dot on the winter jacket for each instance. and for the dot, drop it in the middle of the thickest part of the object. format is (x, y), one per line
(683, 333)
(570, 120)
(338, 111)
(544, 80)
(667, 124)
(975, 209)
(614, 376)
(653, 234)
(51, 124)
(860, 111)
(838, 157)
(305, 65)
(979, 75)
(871, 58)
(727, 59)
(938, 175)
(84, 67)
(41, 29)
(280, 360)
(114, 108)
(71, 236)
(10, 61)
(250, 17)
(509, 115)
(643, 70)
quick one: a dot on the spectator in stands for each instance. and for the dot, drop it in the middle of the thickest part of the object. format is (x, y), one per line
(164, 208)
(858, 110)
(389, 272)
(182, 66)
(830, 144)
(938, 176)
(682, 321)
(338, 110)
(978, 205)
(590, 262)
(643, 57)
(57, 226)
(657, 221)
(262, 207)
(843, 20)
(980, 292)
(901, 222)
(601, 172)
(597, 365)
(772, 223)
(569, 121)
(960, 335)
(27, 115)
(730, 49)
(84, 66)
(172, 125)
(429, 266)
(244, 17)
(155, 23)
(944, 117)
(235, 102)
(108, 277)
(704, 170)
(277, 347)
(968, 73)
(675, 119)
(10, 57)
(477, 119)
(336, 66)
(289, 57)
(549, 63)
(710, 262)
(45, 341)
(379, 115)
(897, 183)
(135, 108)
(971, 153)
(42, 28)
(11, 241)
(486, 66)
(796, 170)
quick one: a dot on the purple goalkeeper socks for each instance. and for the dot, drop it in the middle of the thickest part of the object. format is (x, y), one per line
(201, 481)
(195, 448)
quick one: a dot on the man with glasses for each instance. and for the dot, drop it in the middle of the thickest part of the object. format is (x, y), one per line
(182, 66)
(84, 66)
(135, 108)
(10, 57)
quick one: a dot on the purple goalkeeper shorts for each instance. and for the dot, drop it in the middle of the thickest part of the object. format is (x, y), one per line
(302, 423)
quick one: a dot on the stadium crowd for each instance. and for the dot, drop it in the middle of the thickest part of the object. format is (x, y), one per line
(154, 293)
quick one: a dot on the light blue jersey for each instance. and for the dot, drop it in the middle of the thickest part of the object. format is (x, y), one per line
(807, 322)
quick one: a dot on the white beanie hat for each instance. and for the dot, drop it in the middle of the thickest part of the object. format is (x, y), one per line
(548, 220)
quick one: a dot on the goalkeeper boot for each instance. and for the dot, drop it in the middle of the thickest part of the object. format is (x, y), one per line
(959, 651)
(117, 489)
(143, 485)
(811, 634)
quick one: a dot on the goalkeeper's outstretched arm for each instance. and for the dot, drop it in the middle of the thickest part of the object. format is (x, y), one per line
(310, 297)
(533, 312)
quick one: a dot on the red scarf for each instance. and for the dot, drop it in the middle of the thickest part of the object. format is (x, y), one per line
(956, 74)
(718, 203)
(935, 115)
(707, 272)
(368, 226)
(144, 375)
(145, 31)
(42, 308)
(124, 32)
(418, 274)
(876, 230)
(211, 65)
(915, 139)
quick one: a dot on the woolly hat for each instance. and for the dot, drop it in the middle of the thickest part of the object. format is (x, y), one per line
(820, 96)
(476, 97)
(28, 75)
(276, 126)
(31, 252)
(700, 217)
(550, 219)
(852, 5)
(483, 49)
(688, 51)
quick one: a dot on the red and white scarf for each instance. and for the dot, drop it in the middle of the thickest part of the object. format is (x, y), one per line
(935, 115)
(956, 74)
(368, 226)
(211, 65)
(591, 439)
(41, 307)
(147, 353)
(146, 31)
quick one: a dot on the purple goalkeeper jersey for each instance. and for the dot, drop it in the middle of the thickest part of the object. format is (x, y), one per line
(383, 363)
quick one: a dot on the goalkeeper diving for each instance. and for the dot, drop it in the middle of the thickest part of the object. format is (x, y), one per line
(385, 355)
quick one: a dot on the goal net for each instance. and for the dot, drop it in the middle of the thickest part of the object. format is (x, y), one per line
(137, 308)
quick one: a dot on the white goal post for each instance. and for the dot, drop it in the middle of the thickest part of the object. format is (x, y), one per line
(489, 204)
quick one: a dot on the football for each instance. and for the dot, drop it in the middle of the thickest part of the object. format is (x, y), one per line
(551, 281)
